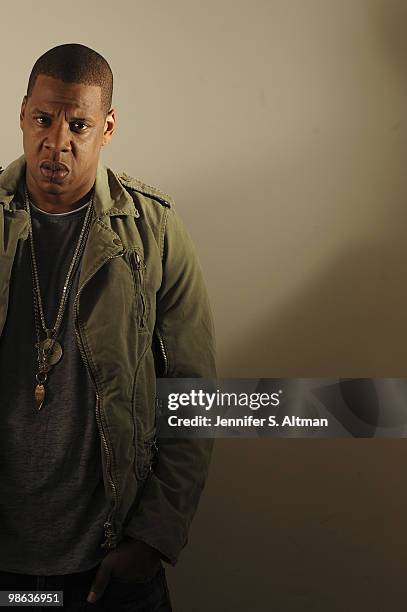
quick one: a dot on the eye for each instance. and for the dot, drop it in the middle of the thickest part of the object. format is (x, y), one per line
(78, 126)
(43, 120)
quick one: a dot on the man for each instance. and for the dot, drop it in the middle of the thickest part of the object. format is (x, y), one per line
(100, 292)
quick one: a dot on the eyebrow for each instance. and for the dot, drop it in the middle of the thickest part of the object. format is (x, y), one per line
(42, 112)
(47, 114)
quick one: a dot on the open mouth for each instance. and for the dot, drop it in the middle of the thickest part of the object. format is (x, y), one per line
(54, 171)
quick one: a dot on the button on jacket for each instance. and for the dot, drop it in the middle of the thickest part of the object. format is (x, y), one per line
(141, 311)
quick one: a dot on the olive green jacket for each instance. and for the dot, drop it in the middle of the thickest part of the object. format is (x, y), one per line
(141, 311)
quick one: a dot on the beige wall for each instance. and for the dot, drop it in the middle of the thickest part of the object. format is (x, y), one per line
(280, 128)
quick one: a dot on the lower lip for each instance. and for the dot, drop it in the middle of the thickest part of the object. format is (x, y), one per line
(55, 176)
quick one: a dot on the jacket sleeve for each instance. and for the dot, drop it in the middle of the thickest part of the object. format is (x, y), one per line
(185, 326)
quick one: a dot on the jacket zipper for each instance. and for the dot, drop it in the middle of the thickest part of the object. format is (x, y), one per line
(109, 533)
(164, 354)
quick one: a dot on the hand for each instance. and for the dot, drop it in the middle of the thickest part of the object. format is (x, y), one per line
(131, 560)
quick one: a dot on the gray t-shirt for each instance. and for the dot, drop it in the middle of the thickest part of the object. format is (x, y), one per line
(52, 499)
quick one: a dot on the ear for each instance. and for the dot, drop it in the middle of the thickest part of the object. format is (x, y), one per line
(110, 123)
(22, 111)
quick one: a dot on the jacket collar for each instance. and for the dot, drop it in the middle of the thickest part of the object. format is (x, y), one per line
(111, 198)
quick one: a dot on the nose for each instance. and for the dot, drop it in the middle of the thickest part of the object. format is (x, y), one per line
(58, 140)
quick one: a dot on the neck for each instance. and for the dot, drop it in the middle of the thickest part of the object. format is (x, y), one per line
(50, 207)
(58, 203)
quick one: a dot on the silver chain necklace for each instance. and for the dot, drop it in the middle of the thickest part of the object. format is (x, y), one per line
(49, 350)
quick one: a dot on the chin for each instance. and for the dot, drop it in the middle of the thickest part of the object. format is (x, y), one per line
(53, 190)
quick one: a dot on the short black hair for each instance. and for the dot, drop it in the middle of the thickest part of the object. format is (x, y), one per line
(75, 63)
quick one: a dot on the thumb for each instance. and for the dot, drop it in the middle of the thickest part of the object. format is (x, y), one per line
(100, 582)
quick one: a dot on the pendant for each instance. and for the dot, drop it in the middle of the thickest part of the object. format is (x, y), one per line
(50, 351)
(39, 395)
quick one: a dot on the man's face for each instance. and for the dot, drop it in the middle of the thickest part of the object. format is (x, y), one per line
(64, 128)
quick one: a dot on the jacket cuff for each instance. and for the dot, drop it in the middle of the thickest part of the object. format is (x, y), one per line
(170, 496)
(171, 560)
(167, 535)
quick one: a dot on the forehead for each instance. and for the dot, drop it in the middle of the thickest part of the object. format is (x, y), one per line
(53, 94)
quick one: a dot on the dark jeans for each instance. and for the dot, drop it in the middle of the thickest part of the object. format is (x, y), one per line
(148, 596)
